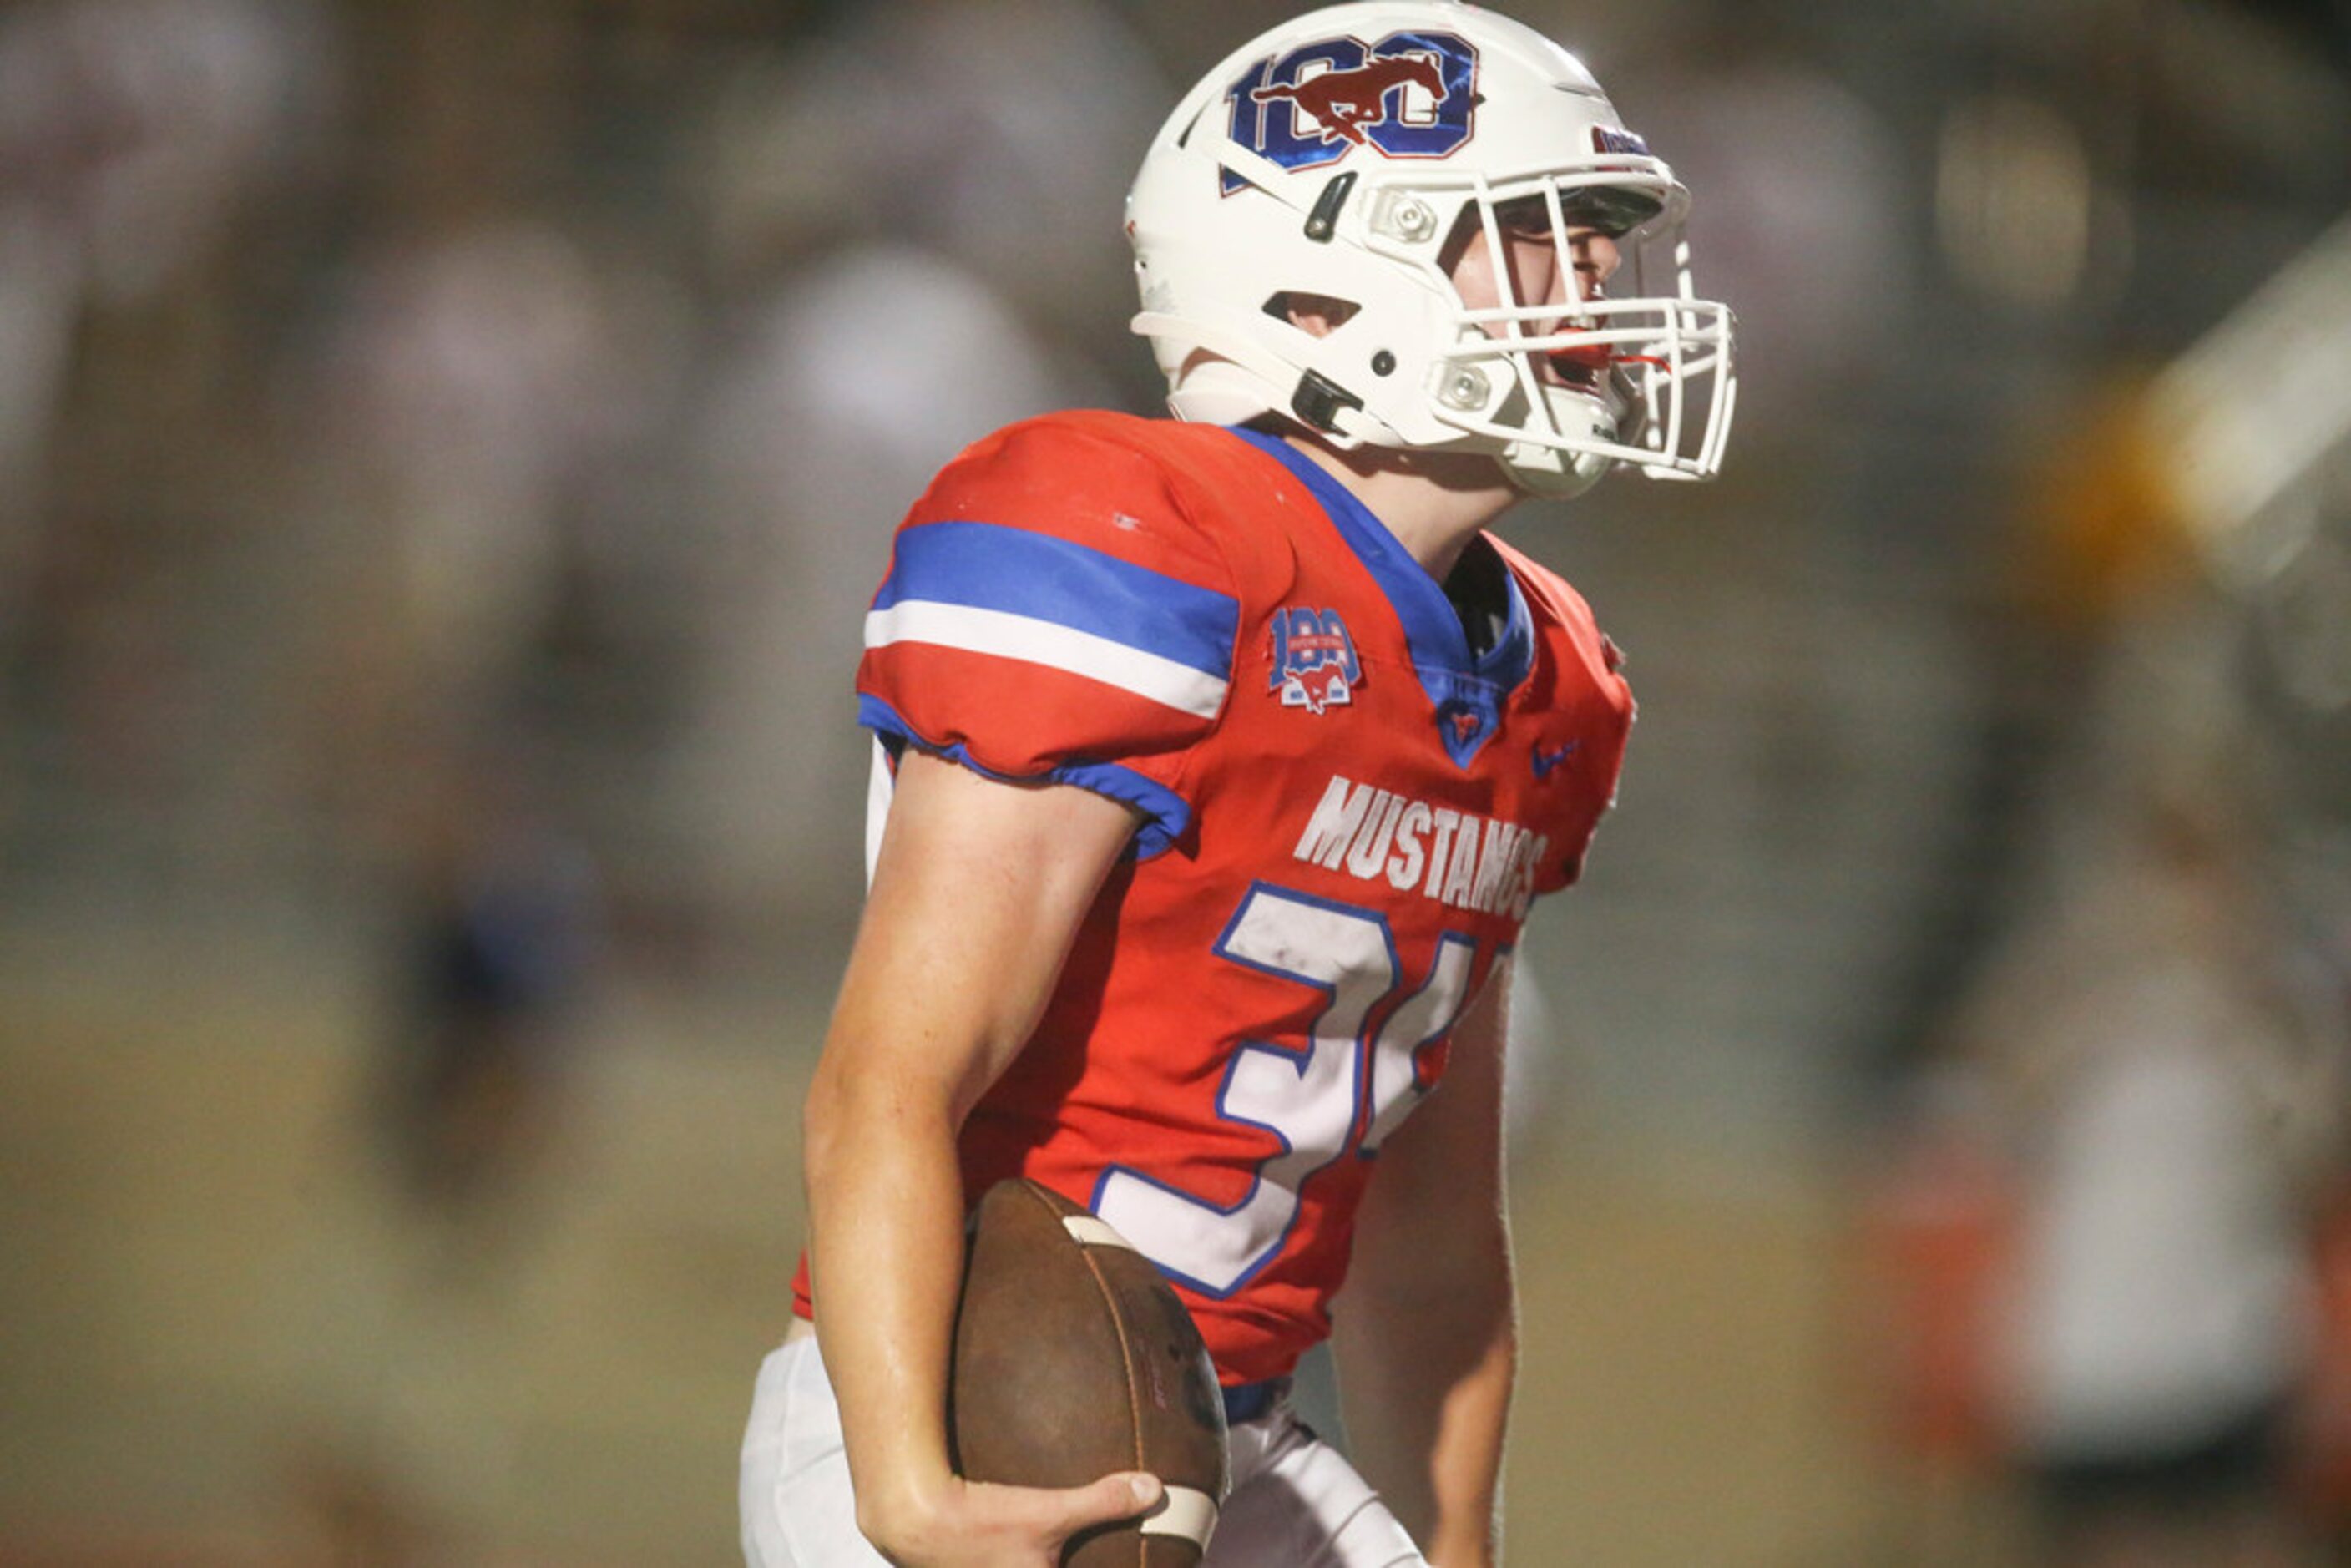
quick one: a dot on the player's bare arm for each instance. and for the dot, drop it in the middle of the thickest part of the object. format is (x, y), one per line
(977, 890)
(1426, 1330)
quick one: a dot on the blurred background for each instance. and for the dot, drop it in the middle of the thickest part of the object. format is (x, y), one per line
(445, 453)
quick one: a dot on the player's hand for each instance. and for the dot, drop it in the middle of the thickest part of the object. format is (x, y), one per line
(979, 1524)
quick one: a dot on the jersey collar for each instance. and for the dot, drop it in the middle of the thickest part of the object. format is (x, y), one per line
(1467, 691)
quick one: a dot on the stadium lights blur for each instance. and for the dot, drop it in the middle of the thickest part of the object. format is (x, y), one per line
(2259, 402)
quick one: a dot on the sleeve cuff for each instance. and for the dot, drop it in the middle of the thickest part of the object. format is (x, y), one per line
(1165, 814)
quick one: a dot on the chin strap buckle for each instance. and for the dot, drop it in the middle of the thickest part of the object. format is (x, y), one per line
(1319, 401)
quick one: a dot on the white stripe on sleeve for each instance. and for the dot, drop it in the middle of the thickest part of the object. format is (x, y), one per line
(1022, 637)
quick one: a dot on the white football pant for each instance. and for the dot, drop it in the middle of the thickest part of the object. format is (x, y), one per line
(1296, 1501)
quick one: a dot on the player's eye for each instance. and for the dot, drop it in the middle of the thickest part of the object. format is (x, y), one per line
(1529, 217)
(1612, 211)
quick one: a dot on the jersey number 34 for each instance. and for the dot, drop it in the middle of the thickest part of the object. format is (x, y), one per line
(1338, 1093)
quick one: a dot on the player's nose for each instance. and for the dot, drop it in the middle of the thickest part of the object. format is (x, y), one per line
(1597, 259)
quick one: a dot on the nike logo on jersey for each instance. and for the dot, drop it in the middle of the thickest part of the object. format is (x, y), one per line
(1458, 858)
(1547, 760)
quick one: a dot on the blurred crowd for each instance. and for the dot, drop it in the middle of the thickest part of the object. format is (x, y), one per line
(395, 392)
(446, 450)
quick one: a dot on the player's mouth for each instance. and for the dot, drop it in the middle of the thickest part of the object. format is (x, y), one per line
(1580, 368)
(1583, 366)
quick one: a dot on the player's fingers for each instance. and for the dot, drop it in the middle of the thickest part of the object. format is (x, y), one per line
(1121, 1496)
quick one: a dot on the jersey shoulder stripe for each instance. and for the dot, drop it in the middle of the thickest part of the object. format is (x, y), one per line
(1017, 593)
(1037, 642)
(1022, 572)
(1060, 605)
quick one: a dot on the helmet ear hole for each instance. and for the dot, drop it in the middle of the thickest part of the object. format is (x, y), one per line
(1316, 315)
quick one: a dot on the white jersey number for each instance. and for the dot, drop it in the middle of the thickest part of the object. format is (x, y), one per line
(1311, 1095)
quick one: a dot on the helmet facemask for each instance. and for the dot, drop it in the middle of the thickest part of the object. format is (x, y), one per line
(1570, 385)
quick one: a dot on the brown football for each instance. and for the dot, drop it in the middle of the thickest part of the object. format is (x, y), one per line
(1074, 1358)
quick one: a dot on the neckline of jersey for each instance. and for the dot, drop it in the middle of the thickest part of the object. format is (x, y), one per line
(1467, 690)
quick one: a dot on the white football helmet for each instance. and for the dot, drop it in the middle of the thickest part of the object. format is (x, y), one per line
(1349, 155)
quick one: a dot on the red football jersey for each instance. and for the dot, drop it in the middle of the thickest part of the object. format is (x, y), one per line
(1346, 813)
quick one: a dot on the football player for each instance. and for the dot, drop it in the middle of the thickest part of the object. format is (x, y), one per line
(1227, 755)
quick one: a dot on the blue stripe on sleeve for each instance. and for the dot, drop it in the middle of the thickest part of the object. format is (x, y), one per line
(986, 566)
